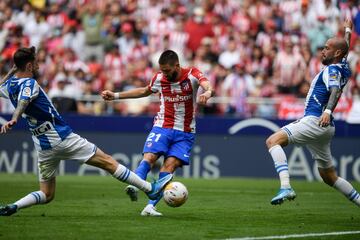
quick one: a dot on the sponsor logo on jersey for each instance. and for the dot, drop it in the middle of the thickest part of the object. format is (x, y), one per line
(26, 92)
(177, 98)
(42, 129)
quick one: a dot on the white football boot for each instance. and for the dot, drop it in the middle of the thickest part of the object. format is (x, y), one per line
(150, 210)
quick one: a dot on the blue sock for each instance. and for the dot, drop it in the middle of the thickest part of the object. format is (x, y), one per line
(143, 169)
(154, 202)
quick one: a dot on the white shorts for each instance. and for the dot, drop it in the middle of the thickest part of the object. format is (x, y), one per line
(307, 132)
(73, 147)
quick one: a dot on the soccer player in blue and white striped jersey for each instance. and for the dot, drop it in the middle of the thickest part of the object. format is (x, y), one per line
(316, 129)
(54, 140)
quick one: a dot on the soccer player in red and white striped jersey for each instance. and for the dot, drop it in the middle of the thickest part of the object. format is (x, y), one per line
(174, 127)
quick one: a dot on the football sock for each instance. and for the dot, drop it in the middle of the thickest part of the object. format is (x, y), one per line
(348, 190)
(125, 175)
(33, 198)
(281, 166)
(154, 202)
(143, 169)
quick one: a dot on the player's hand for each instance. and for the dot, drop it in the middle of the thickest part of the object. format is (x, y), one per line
(348, 23)
(7, 126)
(107, 95)
(203, 98)
(324, 120)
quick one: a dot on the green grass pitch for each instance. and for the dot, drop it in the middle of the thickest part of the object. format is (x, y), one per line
(94, 207)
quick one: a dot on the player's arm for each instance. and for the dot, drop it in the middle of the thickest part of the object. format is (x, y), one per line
(208, 92)
(108, 95)
(348, 25)
(20, 109)
(335, 94)
(10, 73)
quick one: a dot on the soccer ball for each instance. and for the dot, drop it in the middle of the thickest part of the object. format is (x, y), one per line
(175, 194)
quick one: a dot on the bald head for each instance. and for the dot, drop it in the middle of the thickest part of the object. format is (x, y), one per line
(340, 44)
(334, 51)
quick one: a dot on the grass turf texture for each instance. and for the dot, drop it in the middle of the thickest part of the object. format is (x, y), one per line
(94, 207)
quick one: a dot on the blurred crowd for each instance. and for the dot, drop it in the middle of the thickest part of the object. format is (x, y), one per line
(260, 55)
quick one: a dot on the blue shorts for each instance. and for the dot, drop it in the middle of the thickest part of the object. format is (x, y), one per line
(170, 143)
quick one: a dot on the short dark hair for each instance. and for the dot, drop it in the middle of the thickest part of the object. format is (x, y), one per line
(169, 57)
(23, 56)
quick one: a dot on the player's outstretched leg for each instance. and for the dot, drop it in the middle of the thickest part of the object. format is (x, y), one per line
(8, 210)
(158, 186)
(142, 171)
(152, 190)
(282, 195)
(348, 190)
(33, 198)
(281, 166)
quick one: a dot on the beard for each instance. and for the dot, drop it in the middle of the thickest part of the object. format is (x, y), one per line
(327, 61)
(173, 77)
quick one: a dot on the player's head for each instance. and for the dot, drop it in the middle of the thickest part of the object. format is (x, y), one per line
(334, 51)
(169, 65)
(25, 60)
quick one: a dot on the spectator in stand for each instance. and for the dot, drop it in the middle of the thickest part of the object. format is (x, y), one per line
(231, 56)
(74, 39)
(114, 65)
(64, 94)
(305, 18)
(319, 34)
(25, 16)
(56, 18)
(289, 69)
(238, 85)
(197, 29)
(178, 39)
(332, 14)
(315, 65)
(4, 32)
(126, 42)
(92, 21)
(160, 27)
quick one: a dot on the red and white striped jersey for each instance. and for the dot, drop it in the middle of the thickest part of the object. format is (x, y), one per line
(178, 99)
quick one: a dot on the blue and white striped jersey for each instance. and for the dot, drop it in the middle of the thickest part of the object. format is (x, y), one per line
(332, 76)
(46, 125)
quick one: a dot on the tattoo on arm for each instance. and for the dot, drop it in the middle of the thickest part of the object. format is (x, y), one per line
(334, 98)
(20, 109)
(347, 38)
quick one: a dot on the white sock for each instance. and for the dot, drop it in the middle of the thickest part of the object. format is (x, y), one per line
(348, 190)
(281, 166)
(125, 175)
(31, 199)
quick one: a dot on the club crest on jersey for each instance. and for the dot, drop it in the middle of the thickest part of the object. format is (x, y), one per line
(185, 85)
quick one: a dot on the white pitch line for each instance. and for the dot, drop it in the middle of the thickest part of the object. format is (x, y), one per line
(297, 235)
